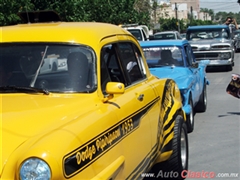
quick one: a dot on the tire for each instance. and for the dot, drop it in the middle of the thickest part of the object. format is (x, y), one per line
(202, 103)
(190, 118)
(177, 165)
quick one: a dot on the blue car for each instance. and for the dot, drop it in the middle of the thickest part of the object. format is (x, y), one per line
(175, 59)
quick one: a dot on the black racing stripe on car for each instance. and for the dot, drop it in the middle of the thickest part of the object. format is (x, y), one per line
(152, 155)
(83, 156)
(166, 89)
(167, 147)
(145, 163)
(167, 126)
(165, 137)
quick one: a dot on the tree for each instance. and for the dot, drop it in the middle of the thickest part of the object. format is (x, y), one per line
(210, 12)
(9, 10)
(115, 12)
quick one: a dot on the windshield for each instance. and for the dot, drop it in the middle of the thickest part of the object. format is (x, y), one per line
(202, 34)
(163, 56)
(136, 33)
(52, 67)
(164, 36)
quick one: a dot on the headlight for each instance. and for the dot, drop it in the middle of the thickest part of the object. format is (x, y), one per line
(35, 169)
(225, 55)
(62, 64)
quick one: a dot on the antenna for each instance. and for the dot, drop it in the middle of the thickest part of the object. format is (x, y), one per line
(27, 15)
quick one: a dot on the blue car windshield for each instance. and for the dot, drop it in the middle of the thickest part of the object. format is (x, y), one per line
(163, 56)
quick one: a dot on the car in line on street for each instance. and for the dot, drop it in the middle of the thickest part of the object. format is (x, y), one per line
(166, 35)
(212, 42)
(104, 116)
(237, 40)
(183, 35)
(174, 59)
(141, 32)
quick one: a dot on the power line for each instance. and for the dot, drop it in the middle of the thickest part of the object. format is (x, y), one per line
(235, 2)
(221, 6)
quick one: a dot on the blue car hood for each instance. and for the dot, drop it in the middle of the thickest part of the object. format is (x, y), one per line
(180, 75)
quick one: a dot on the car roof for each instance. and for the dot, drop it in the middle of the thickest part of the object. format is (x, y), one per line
(165, 32)
(177, 42)
(74, 32)
(207, 27)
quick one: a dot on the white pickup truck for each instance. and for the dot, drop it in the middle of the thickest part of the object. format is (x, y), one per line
(141, 32)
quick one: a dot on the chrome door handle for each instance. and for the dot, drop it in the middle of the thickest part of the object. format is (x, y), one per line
(140, 97)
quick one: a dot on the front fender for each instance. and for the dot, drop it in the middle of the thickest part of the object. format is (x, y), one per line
(172, 100)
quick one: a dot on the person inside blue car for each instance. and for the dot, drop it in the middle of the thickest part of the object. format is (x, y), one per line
(167, 59)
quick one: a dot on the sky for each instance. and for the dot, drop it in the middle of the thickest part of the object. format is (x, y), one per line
(221, 5)
(218, 5)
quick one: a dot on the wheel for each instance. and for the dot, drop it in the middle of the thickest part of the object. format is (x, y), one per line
(202, 103)
(177, 165)
(190, 117)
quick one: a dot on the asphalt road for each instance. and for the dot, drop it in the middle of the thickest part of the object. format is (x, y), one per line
(214, 145)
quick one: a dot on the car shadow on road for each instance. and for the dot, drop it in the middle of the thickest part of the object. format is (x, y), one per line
(215, 69)
(230, 114)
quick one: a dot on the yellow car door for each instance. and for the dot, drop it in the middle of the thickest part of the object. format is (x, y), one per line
(134, 107)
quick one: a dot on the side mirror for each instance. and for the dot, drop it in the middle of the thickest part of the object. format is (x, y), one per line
(195, 64)
(115, 88)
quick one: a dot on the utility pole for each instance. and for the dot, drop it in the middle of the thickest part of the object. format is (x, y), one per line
(191, 14)
(176, 13)
(239, 2)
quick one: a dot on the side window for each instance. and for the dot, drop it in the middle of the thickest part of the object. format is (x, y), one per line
(105, 76)
(179, 36)
(131, 60)
(144, 35)
(121, 62)
(111, 70)
(189, 55)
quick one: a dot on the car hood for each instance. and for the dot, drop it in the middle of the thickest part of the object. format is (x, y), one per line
(27, 116)
(210, 41)
(180, 75)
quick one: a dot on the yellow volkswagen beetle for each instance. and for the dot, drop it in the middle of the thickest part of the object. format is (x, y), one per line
(78, 102)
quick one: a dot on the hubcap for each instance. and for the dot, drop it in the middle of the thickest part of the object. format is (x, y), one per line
(205, 96)
(183, 149)
(191, 116)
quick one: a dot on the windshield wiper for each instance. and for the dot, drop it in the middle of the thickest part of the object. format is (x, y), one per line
(23, 89)
(155, 66)
(39, 67)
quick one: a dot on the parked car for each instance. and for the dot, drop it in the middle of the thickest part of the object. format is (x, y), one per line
(212, 42)
(167, 35)
(141, 32)
(105, 116)
(183, 35)
(174, 59)
(237, 40)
